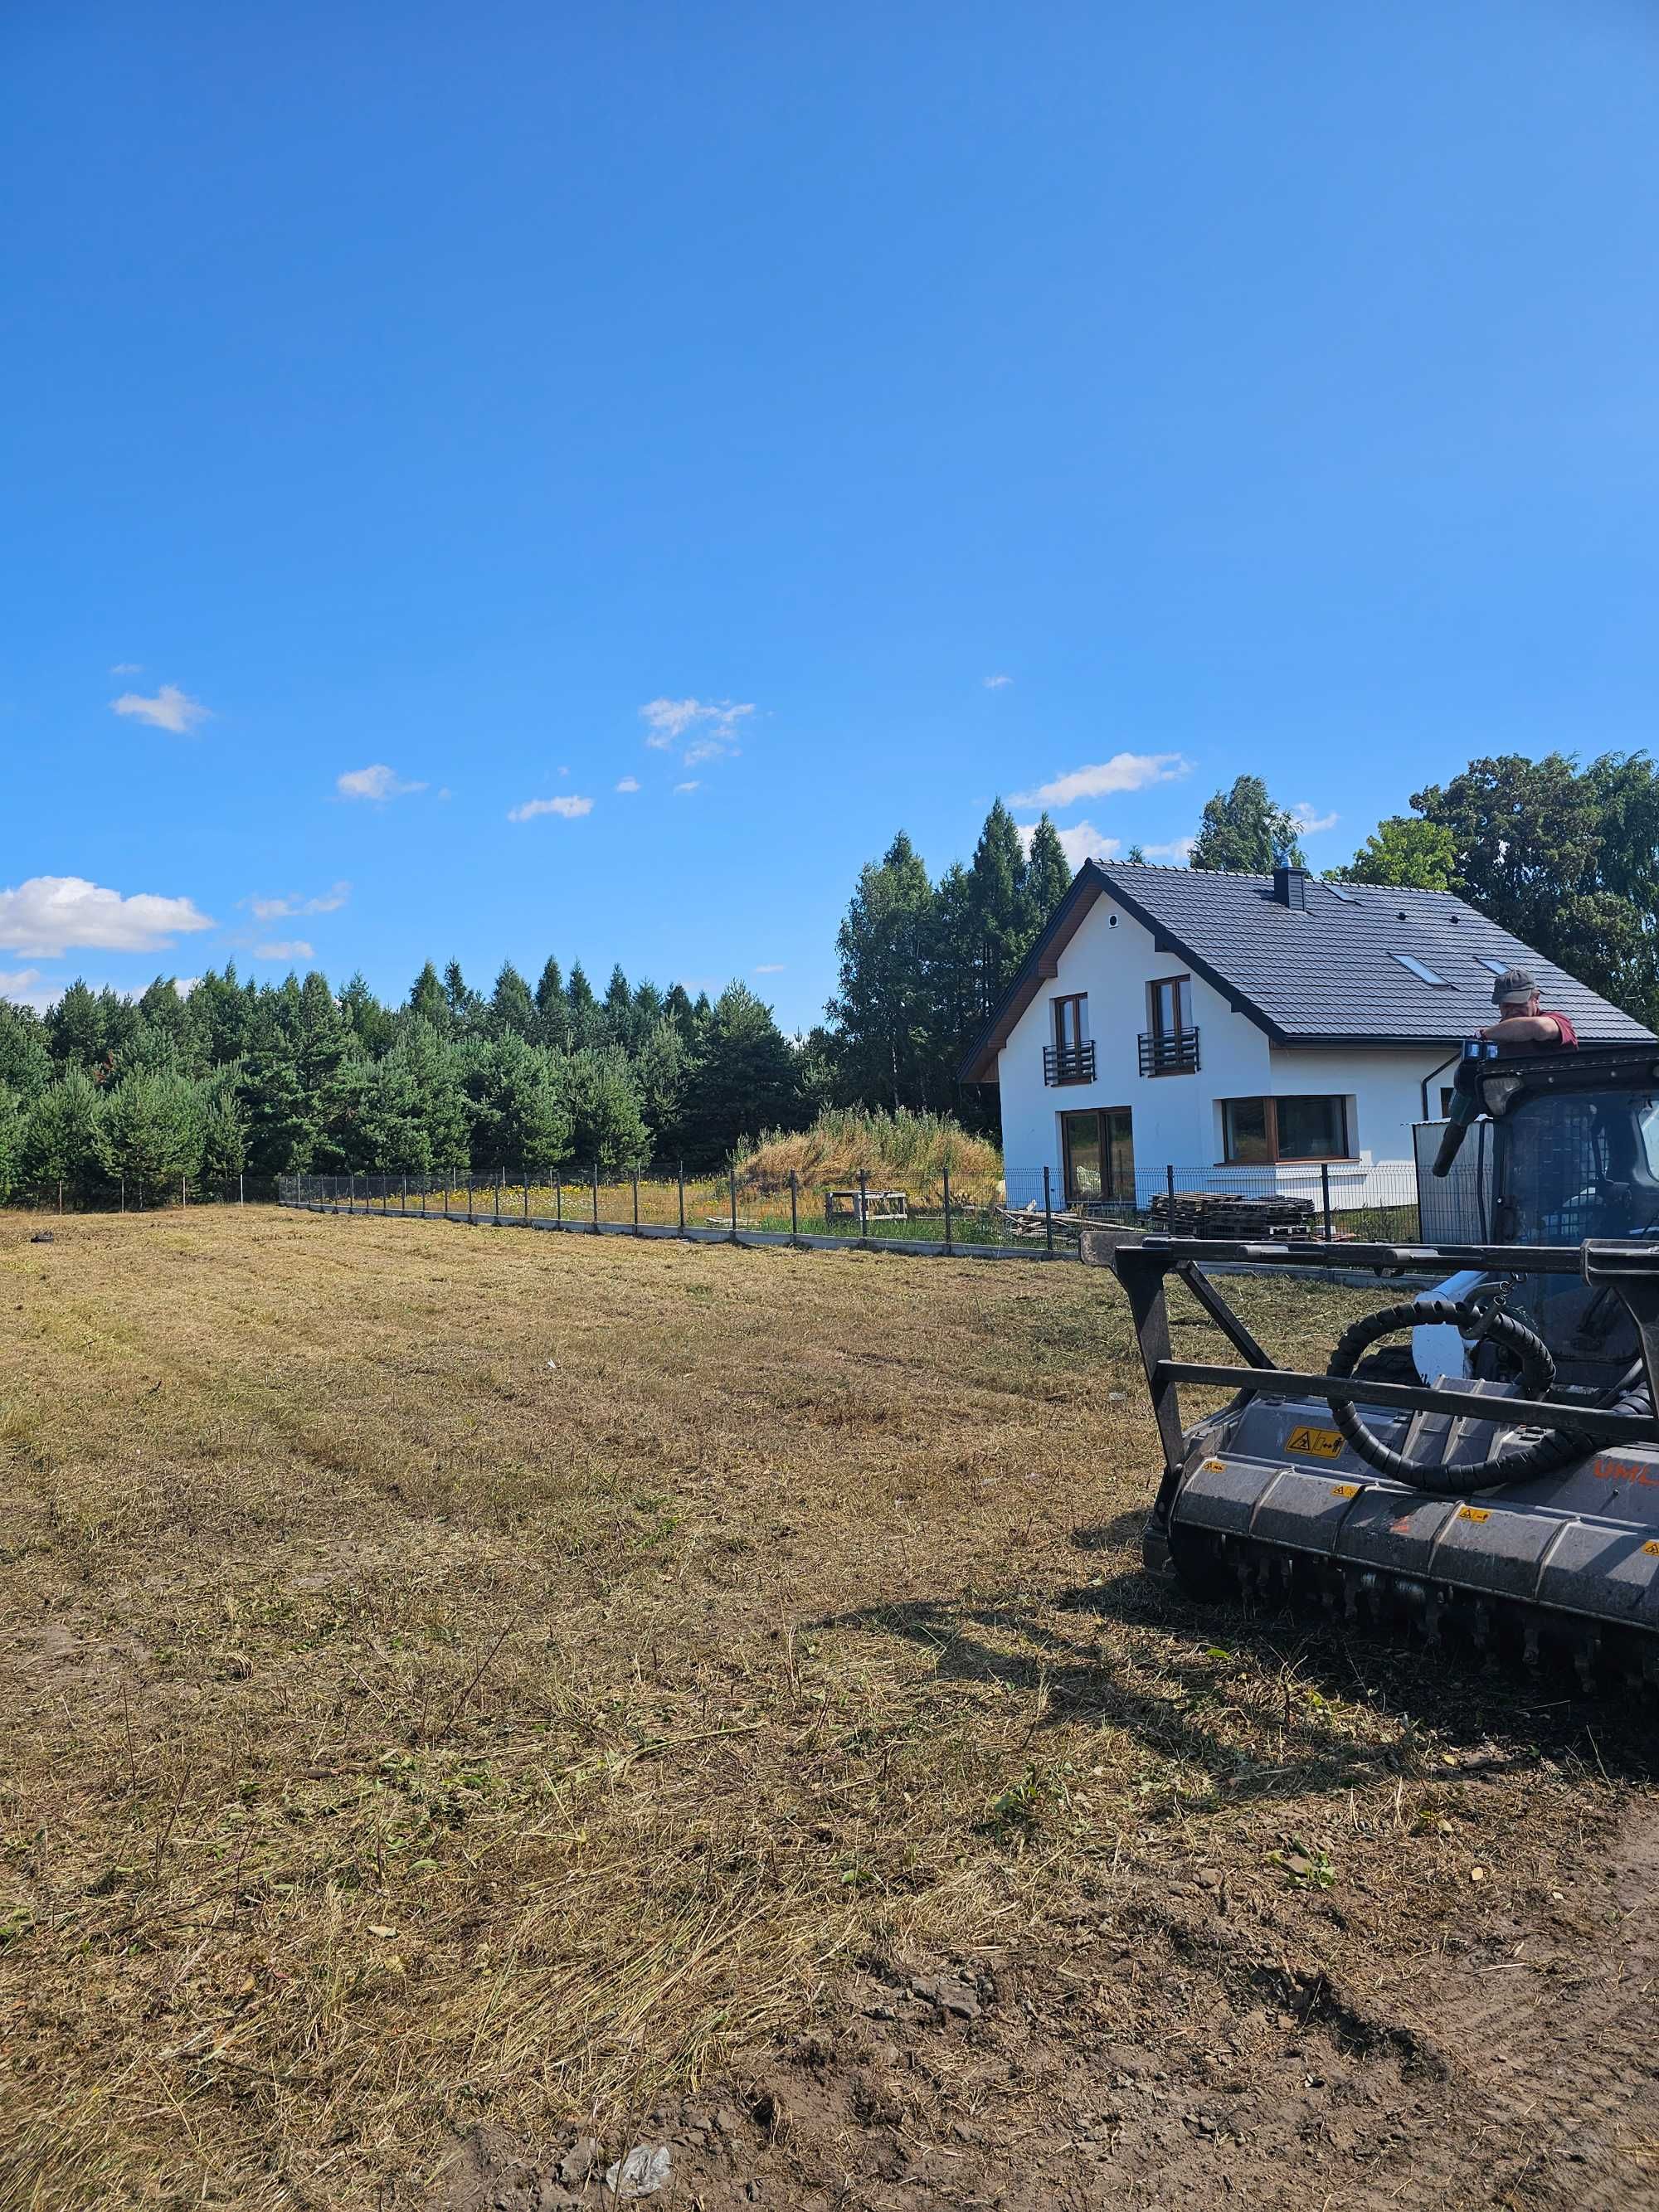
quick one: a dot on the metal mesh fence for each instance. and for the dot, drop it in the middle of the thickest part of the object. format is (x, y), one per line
(1339, 1202)
(125, 1195)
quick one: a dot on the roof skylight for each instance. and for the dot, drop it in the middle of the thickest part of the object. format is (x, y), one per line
(1338, 890)
(1420, 969)
(1498, 967)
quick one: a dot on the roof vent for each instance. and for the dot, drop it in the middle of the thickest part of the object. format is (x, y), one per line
(1290, 883)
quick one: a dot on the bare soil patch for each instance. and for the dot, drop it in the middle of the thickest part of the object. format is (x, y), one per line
(473, 1703)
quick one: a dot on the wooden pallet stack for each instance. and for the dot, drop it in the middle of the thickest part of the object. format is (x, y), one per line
(1225, 1213)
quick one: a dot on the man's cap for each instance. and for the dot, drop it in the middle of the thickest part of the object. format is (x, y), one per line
(1513, 983)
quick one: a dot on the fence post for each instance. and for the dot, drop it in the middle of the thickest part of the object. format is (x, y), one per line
(184, 1190)
(947, 1209)
(124, 1194)
(864, 1206)
(1169, 1185)
(596, 1197)
(636, 1198)
(1048, 1212)
(241, 1190)
(681, 1172)
(526, 1195)
(351, 1192)
(60, 1194)
(558, 1197)
(794, 1206)
(1325, 1195)
(499, 1173)
(732, 1174)
(471, 1216)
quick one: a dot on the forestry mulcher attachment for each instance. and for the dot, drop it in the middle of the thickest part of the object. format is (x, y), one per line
(1515, 1501)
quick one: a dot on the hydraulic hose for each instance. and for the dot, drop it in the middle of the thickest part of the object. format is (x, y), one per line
(1554, 1450)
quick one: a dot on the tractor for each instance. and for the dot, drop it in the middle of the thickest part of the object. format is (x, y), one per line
(1513, 1496)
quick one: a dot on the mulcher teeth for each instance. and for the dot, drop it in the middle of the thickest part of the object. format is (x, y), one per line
(1374, 1602)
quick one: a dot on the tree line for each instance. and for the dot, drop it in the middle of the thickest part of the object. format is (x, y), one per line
(238, 1076)
(267, 1079)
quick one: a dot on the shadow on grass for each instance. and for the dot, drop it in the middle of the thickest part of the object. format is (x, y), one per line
(1175, 1661)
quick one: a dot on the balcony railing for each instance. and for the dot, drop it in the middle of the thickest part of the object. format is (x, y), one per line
(1175, 1055)
(1068, 1063)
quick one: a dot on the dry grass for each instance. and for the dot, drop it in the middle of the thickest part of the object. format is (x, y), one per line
(903, 1151)
(455, 1674)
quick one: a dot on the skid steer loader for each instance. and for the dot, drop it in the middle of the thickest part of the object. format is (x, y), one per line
(1517, 1500)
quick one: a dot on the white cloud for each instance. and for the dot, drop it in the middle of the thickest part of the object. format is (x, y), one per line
(19, 985)
(376, 783)
(170, 709)
(707, 748)
(47, 914)
(128, 668)
(667, 721)
(1178, 850)
(693, 785)
(286, 948)
(998, 683)
(1310, 823)
(1123, 772)
(281, 909)
(572, 809)
(770, 968)
(629, 783)
(1083, 842)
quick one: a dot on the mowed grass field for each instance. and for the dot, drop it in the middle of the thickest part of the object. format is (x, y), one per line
(453, 1676)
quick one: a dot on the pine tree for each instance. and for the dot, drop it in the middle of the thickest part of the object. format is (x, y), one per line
(150, 1132)
(465, 1006)
(582, 1008)
(520, 1119)
(512, 1009)
(373, 1027)
(552, 1010)
(11, 1141)
(619, 1010)
(662, 1068)
(426, 1002)
(604, 1103)
(884, 1011)
(24, 1059)
(224, 1134)
(746, 1080)
(60, 1137)
(75, 1028)
(1001, 919)
(1048, 875)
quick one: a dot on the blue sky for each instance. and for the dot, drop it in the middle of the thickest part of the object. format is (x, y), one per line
(421, 425)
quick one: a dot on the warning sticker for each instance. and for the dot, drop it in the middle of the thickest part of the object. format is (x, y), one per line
(1652, 1551)
(1318, 1443)
(1474, 1513)
(1345, 1490)
(1215, 1467)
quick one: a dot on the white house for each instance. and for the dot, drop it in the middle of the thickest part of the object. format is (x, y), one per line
(1244, 1030)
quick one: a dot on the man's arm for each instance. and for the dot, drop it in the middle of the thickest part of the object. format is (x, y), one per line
(1523, 1028)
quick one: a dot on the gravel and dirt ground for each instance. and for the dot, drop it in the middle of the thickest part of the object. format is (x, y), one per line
(475, 1704)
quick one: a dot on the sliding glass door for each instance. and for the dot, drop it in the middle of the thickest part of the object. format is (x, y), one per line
(1099, 1155)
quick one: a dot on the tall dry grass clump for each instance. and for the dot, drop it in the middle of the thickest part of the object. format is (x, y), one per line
(899, 1150)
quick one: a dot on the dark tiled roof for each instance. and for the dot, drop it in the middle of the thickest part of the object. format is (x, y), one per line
(1323, 975)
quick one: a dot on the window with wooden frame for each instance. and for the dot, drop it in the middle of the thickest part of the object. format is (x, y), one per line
(1171, 1004)
(1259, 1132)
(1072, 1021)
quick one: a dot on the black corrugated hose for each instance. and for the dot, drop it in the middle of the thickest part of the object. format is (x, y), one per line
(1554, 1450)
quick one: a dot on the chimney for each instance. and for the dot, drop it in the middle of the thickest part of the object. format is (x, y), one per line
(1290, 884)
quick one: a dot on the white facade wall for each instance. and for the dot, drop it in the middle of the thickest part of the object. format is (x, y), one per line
(1176, 1119)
